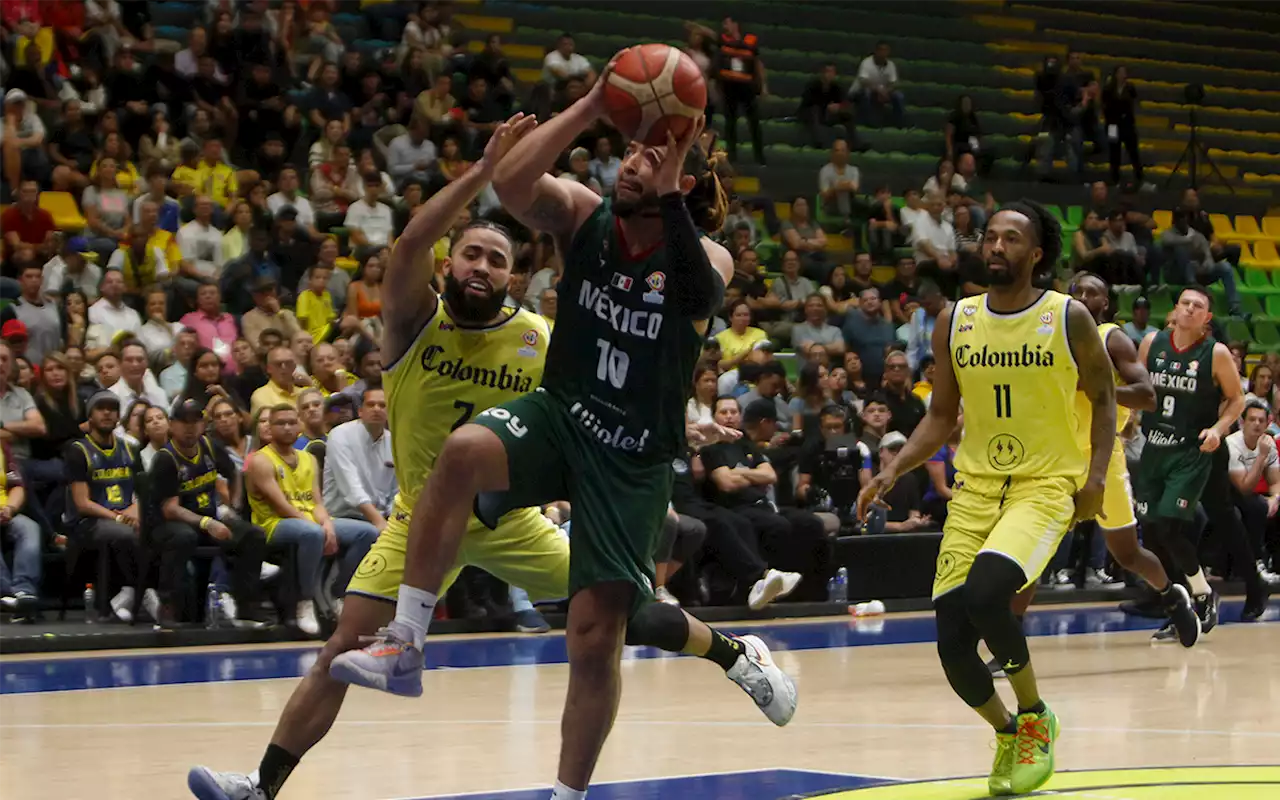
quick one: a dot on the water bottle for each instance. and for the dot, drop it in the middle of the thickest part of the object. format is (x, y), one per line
(842, 585)
(831, 589)
(90, 608)
(211, 607)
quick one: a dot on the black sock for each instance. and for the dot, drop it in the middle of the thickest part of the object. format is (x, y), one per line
(1038, 708)
(724, 650)
(274, 770)
(1011, 728)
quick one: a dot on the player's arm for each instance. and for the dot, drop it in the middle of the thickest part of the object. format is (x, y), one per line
(1094, 366)
(409, 301)
(1228, 380)
(1137, 392)
(1145, 348)
(940, 420)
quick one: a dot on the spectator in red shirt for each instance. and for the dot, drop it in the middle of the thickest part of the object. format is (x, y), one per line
(28, 226)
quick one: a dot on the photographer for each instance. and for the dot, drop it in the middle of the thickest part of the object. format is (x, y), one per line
(833, 470)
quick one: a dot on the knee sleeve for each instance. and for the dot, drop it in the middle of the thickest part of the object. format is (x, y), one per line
(659, 625)
(992, 584)
(958, 650)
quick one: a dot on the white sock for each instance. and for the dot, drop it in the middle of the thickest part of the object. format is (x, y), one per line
(562, 792)
(1199, 585)
(414, 609)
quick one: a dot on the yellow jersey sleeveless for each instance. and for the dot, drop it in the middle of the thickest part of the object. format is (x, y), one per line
(447, 376)
(297, 483)
(1084, 409)
(1018, 381)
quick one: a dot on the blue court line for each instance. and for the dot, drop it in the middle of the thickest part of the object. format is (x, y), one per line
(767, 783)
(174, 667)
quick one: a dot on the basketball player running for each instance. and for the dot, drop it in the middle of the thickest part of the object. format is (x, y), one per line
(1198, 398)
(640, 281)
(452, 356)
(1017, 355)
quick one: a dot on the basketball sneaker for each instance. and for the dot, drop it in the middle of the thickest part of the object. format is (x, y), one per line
(771, 688)
(206, 784)
(1166, 634)
(1183, 617)
(1207, 610)
(1000, 782)
(390, 663)
(1033, 756)
(775, 585)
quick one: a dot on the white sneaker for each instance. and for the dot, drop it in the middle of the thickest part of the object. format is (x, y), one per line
(663, 596)
(151, 604)
(206, 784)
(771, 688)
(268, 571)
(306, 618)
(390, 663)
(122, 604)
(1062, 581)
(773, 586)
(227, 605)
(337, 608)
(1267, 575)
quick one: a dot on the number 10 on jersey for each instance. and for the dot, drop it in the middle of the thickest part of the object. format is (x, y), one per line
(613, 364)
(1003, 407)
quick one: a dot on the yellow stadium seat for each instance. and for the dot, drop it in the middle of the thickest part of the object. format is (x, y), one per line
(1246, 255)
(1265, 256)
(1271, 227)
(1247, 227)
(1163, 218)
(1222, 226)
(63, 208)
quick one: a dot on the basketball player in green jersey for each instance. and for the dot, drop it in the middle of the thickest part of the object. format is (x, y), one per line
(1198, 399)
(639, 284)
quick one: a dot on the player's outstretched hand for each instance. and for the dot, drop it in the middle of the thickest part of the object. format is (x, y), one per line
(1210, 439)
(506, 137)
(873, 493)
(1089, 501)
(666, 176)
(710, 433)
(595, 95)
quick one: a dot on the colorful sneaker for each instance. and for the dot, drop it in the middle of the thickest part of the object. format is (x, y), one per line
(1033, 759)
(1000, 782)
(390, 663)
(771, 688)
(206, 784)
(1183, 616)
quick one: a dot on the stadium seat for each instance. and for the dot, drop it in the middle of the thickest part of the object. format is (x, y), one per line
(1162, 217)
(1273, 306)
(1222, 226)
(1265, 256)
(1246, 253)
(1161, 305)
(1075, 216)
(62, 205)
(1250, 304)
(1237, 331)
(1266, 335)
(1271, 227)
(1247, 228)
(1258, 282)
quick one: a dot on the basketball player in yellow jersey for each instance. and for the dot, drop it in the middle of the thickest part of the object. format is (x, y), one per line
(1016, 356)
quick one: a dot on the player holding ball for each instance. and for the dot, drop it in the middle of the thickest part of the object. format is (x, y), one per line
(640, 282)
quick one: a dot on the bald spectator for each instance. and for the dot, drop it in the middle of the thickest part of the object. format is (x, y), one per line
(280, 388)
(838, 182)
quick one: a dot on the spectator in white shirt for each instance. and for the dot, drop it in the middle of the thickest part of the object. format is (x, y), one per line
(110, 312)
(369, 223)
(200, 242)
(136, 381)
(288, 196)
(932, 237)
(359, 476)
(562, 63)
(72, 270)
(838, 181)
(877, 85)
(605, 166)
(1255, 473)
(411, 155)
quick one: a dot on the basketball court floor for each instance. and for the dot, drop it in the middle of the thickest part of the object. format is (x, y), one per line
(876, 719)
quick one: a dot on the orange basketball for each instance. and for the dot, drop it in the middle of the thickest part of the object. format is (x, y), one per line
(653, 89)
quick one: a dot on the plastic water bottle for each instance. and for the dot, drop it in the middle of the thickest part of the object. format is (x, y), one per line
(90, 607)
(831, 589)
(211, 607)
(842, 585)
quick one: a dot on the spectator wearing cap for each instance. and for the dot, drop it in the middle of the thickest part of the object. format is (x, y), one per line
(369, 223)
(109, 316)
(71, 270)
(359, 476)
(900, 512)
(40, 321)
(136, 381)
(19, 585)
(215, 327)
(20, 420)
(280, 388)
(1138, 327)
(200, 243)
(411, 155)
(339, 409)
(769, 385)
(579, 170)
(287, 196)
(267, 313)
(285, 494)
(102, 473)
(174, 377)
(190, 489)
(26, 225)
(168, 210)
(22, 137)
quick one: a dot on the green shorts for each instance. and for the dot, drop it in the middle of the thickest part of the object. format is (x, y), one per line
(619, 502)
(1169, 482)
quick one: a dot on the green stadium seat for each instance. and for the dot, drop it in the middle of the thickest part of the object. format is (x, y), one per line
(1273, 306)
(1258, 282)
(1237, 331)
(1075, 215)
(1266, 335)
(1161, 305)
(1251, 305)
(1124, 304)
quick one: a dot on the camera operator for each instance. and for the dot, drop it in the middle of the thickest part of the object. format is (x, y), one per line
(833, 470)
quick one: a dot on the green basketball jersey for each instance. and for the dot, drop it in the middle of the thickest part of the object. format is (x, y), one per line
(621, 359)
(1187, 398)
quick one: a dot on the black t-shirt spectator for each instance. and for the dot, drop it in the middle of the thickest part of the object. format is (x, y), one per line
(484, 110)
(330, 104)
(900, 290)
(683, 493)
(250, 103)
(966, 126)
(194, 484)
(492, 69)
(878, 213)
(734, 454)
(853, 288)
(116, 492)
(210, 90)
(77, 145)
(166, 86)
(61, 426)
(1118, 104)
(907, 412)
(818, 96)
(124, 87)
(903, 498)
(29, 81)
(252, 47)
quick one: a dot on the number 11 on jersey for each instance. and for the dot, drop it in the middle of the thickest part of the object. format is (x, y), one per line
(1003, 408)
(613, 364)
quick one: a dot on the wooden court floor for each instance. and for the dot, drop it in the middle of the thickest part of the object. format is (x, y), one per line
(881, 711)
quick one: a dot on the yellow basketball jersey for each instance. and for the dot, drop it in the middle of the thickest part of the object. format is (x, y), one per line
(449, 375)
(1084, 409)
(297, 483)
(1018, 380)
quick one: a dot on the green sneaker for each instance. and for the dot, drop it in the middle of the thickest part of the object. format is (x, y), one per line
(1001, 780)
(1033, 759)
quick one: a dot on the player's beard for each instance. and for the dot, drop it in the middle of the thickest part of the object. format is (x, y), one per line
(469, 308)
(1005, 277)
(646, 205)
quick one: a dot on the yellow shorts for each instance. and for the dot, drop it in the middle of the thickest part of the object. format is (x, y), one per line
(525, 550)
(1117, 501)
(1023, 519)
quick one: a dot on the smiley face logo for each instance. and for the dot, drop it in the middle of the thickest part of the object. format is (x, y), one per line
(373, 564)
(946, 563)
(1004, 451)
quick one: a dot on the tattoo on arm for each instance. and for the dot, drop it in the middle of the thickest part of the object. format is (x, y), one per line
(548, 212)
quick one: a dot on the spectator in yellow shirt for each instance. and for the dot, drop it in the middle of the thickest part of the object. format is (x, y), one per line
(280, 386)
(214, 177)
(186, 176)
(315, 306)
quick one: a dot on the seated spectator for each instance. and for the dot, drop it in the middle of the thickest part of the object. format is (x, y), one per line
(786, 298)
(58, 400)
(201, 243)
(103, 472)
(823, 104)
(1087, 244)
(326, 370)
(250, 377)
(174, 377)
(883, 225)
(739, 338)
(363, 313)
(157, 332)
(20, 585)
(1140, 326)
(1191, 251)
(288, 195)
(22, 140)
(971, 269)
(771, 383)
(280, 389)
(20, 420)
(912, 209)
(185, 178)
(699, 408)
(933, 242)
(235, 242)
(905, 409)
(40, 317)
(139, 264)
(315, 309)
(481, 115)
(333, 133)
(605, 166)
(190, 492)
(369, 222)
(411, 155)
(563, 63)
(867, 332)
(920, 327)
(208, 380)
(285, 495)
(875, 420)
(154, 433)
(855, 382)
(828, 480)
(314, 432)
(136, 380)
(72, 149)
(1255, 476)
(815, 330)
(877, 86)
(840, 292)
(901, 513)
(359, 477)
(240, 275)
(838, 182)
(812, 394)
(962, 132)
(801, 234)
(1125, 260)
(106, 370)
(167, 209)
(71, 271)
(27, 226)
(228, 435)
(335, 185)
(267, 313)
(217, 177)
(215, 327)
(579, 170)
(452, 164)
(159, 147)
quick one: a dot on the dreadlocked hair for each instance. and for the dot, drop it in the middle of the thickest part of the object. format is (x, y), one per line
(707, 202)
(1047, 228)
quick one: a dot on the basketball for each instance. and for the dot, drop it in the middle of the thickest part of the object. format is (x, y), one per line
(653, 89)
